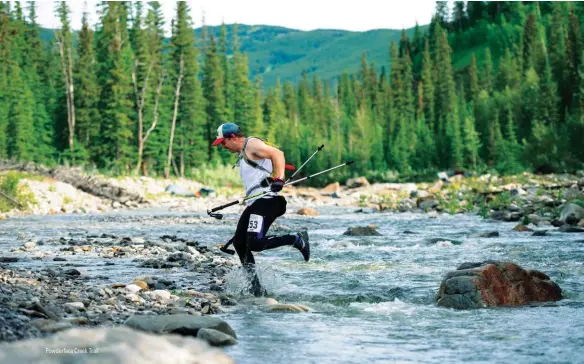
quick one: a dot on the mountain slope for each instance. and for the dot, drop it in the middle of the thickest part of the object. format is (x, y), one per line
(277, 52)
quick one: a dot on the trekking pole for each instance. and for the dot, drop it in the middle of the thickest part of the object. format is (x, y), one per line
(220, 216)
(298, 170)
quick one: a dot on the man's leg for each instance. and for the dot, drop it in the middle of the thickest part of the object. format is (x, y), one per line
(262, 214)
(245, 256)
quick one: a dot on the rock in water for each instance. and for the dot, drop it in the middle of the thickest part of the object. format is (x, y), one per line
(181, 324)
(571, 212)
(490, 234)
(118, 345)
(362, 231)
(288, 307)
(216, 338)
(495, 283)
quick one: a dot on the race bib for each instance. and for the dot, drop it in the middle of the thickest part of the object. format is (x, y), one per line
(256, 223)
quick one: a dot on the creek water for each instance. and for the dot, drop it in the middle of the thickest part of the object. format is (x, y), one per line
(372, 298)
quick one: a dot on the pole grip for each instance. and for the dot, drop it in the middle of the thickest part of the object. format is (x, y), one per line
(224, 206)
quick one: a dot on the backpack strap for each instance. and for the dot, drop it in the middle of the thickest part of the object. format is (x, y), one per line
(243, 155)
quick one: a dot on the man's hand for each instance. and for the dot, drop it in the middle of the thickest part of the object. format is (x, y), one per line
(276, 184)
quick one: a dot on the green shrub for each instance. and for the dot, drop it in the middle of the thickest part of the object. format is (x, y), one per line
(9, 185)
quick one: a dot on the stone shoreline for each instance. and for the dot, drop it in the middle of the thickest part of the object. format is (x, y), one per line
(526, 198)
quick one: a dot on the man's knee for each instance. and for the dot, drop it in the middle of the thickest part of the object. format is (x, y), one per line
(239, 242)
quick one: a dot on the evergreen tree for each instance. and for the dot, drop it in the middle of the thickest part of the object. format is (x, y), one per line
(274, 113)
(222, 50)
(459, 16)
(191, 114)
(114, 55)
(573, 58)
(292, 114)
(65, 42)
(487, 76)
(529, 41)
(87, 89)
(530, 99)
(548, 101)
(43, 128)
(471, 140)
(5, 47)
(428, 87)
(20, 115)
(508, 74)
(213, 80)
(256, 127)
(243, 95)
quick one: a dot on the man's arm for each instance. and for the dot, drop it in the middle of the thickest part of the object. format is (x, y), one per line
(260, 150)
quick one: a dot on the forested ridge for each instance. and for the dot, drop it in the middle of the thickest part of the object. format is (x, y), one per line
(486, 86)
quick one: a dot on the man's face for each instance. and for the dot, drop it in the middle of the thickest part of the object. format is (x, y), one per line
(229, 144)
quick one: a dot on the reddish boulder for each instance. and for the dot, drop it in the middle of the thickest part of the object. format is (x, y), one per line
(494, 283)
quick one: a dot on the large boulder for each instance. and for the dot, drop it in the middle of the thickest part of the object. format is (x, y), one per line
(120, 345)
(495, 283)
(571, 214)
(333, 189)
(183, 324)
(357, 182)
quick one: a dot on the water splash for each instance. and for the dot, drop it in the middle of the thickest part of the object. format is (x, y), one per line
(237, 281)
(390, 307)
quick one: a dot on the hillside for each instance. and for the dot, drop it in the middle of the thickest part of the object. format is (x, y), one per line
(276, 52)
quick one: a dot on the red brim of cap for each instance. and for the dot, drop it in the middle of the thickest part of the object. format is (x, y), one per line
(217, 141)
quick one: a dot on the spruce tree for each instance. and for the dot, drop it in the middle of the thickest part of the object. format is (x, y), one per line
(222, 50)
(65, 43)
(215, 108)
(529, 42)
(573, 58)
(473, 79)
(191, 112)
(471, 140)
(548, 97)
(114, 55)
(242, 91)
(43, 126)
(87, 89)
(256, 126)
(487, 76)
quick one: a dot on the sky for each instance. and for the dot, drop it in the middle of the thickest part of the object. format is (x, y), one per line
(355, 15)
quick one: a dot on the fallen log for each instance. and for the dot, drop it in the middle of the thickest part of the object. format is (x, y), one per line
(78, 179)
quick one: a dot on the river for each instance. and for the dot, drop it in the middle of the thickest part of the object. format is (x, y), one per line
(372, 298)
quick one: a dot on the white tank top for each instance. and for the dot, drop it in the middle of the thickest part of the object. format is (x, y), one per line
(253, 177)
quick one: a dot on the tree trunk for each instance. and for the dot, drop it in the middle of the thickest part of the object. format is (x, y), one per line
(176, 173)
(173, 125)
(140, 97)
(67, 70)
(182, 156)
